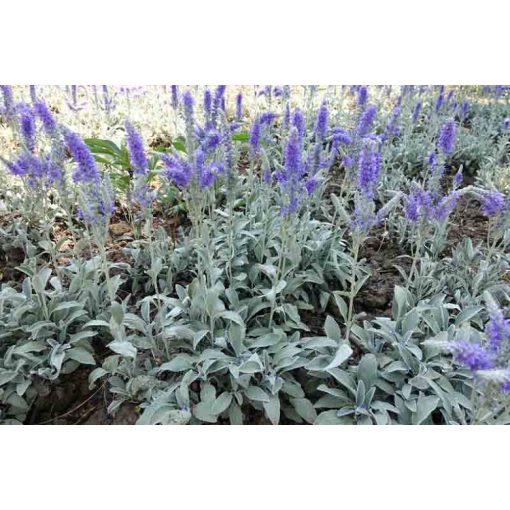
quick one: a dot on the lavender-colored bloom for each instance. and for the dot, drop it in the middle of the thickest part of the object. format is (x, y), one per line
(53, 171)
(366, 119)
(286, 116)
(188, 102)
(143, 194)
(174, 93)
(472, 354)
(239, 106)
(458, 178)
(207, 103)
(449, 96)
(298, 121)
(107, 99)
(362, 97)
(267, 175)
(321, 126)
(20, 166)
(277, 91)
(506, 123)
(48, 121)
(368, 170)
(416, 111)
(293, 169)
(137, 154)
(218, 102)
(497, 330)
(439, 100)
(392, 128)
(27, 126)
(432, 159)
(347, 161)
(86, 171)
(212, 139)
(8, 100)
(418, 204)
(208, 174)
(293, 166)
(255, 136)
(464, 108)
(493, 203)
(267, 117)
(311, 184)
(177, 170)
(340, 135)
(446, 139)
(446, 205)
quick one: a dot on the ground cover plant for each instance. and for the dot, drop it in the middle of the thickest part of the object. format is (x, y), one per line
(254, 255)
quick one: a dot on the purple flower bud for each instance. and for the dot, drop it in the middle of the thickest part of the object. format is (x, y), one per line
(458, 178)
(48, 121)
(446, 139)
(493, 203)
(207, 103)
(255, 136)
(177, 170)
(362, 97)
(446, 205)
(137, 154)
(366, 120)
(239, 106)
(86, 171)
(347, 161)
(27, 125)
(298, 121)
(174, 91)
(439, 100)
(416, 111)
(464, 109)
(311, 184)
(472, 354)
(321, 126)
(341, 136)
(368, 170)
(497, 329)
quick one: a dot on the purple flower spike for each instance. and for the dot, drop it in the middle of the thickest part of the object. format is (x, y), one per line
(366, 119)
(137, 154)
(446, 140)
(472, 354)
(86, 170)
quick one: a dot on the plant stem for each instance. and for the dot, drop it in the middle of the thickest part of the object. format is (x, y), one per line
(352, 290)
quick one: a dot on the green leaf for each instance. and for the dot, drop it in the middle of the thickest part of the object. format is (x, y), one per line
(180, 363)
(367, 370)
(304, 408)
(124, 348)
(222, 403)
(231, 316)
(342, 354)
(117, 313)
(81, 355)
(332, 329)
(240, 136)
(272, 409)
(6, 377)
(267, 340)
(424, 408)
(467, 314)
(256, 393)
